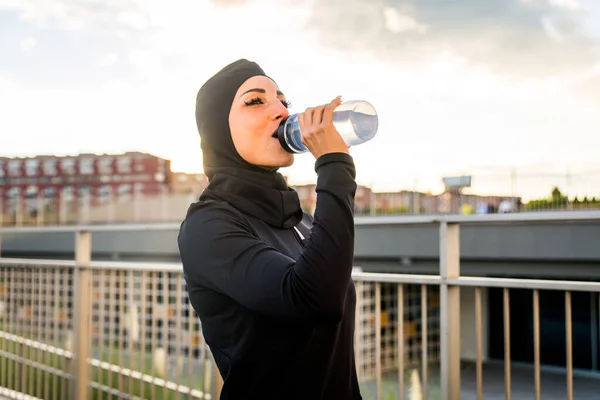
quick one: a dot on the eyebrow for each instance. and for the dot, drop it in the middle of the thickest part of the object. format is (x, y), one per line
(260, 90)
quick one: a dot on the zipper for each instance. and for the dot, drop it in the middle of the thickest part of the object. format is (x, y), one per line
(299, 234)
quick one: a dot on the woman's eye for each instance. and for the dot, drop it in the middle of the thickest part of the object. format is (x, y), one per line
(254, 101)
(286, 104)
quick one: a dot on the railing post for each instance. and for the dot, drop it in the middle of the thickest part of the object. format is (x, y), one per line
(450, 311)
(82, 313)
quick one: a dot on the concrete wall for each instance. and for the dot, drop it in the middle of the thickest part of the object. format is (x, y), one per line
(529, 241)
(525, 241)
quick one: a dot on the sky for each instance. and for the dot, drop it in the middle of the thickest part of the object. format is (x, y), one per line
(507, 91)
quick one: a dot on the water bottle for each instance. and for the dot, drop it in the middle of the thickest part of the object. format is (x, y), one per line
(355, 120)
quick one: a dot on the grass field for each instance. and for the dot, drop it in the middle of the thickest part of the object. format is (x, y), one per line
(50, 378)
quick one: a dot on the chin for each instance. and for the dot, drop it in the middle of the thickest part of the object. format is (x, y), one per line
(288, 162)
(280, 162)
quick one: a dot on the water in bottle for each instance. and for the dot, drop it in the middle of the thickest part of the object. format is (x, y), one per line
(355, 120)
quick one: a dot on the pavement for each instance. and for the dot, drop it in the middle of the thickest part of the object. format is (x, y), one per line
(586, 385)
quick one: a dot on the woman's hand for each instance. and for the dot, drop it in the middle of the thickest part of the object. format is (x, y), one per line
(319, 134)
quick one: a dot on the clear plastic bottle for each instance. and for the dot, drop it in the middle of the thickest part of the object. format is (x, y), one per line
(355, 120)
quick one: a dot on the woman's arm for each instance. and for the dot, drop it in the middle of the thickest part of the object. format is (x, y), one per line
(220, 252)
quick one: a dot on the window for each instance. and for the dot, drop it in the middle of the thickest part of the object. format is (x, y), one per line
(182, 178)
(31, 167)
(124, 192)
(124, 165)
(2, 165)
(31, 192)
(13, 192)
(86, 166)
(49, 192)
(139, 165)
(67, 166)
(14, 167)
(49, 167)
(104, 193)
(138, 188)
(67, 193)
(85, 193)
(105, 165)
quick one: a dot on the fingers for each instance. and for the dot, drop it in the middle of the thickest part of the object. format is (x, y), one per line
(305, 120)
(328, 111)
(318, 116)
(316, 119)
(310, 116)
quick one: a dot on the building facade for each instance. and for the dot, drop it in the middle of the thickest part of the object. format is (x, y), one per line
(188, 183)
(54, 179)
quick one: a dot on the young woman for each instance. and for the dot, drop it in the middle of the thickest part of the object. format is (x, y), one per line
(272, 285)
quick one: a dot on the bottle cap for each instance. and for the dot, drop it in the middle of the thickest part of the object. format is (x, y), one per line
(281, 136)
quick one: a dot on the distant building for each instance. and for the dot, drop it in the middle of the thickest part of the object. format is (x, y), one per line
(307, 196)
(55, 179)
(363, 199)
(185, 183)
(400, 202)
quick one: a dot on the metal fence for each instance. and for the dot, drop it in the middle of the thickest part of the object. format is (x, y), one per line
(122, 330)
(81, 329)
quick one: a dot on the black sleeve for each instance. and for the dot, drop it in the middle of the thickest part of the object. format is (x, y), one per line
(219, 250)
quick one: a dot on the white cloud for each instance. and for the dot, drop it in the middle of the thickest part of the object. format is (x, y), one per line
(551, 30)
(28, 43)
(148, 64)
(397, 22)
(567, 4)
(434, 116)
(108, 60)
(134, 20)
(78, 15)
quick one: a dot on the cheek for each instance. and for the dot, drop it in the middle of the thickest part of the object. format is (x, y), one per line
(244, 134)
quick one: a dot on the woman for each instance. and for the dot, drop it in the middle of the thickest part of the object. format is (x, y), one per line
(272, 286)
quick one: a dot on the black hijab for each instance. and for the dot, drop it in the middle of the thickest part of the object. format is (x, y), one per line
(254, 190)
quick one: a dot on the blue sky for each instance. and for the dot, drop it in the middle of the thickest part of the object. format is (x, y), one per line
(467, 87)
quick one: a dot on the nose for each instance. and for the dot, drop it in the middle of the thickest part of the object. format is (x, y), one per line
(279, 111)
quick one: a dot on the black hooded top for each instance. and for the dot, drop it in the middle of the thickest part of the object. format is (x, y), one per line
(271, 285)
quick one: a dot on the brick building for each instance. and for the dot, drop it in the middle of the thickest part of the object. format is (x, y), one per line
(54, 179)
(188, 183)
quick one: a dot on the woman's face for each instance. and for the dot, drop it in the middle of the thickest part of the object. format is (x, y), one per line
(256, 111)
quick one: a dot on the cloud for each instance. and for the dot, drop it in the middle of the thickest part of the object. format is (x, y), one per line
(446, 86)
(27, 44)
(551, 30)
(77, 14)
(108, 60)
(568, 4)
(515, 37)
(396, 22)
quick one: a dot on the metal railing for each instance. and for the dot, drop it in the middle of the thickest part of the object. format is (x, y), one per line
(81, 328)
(71, 329)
